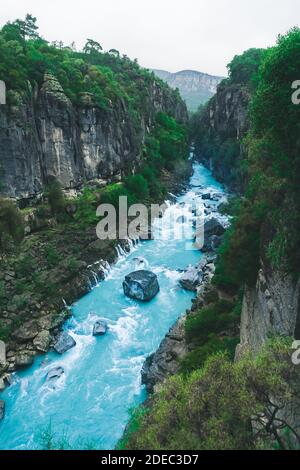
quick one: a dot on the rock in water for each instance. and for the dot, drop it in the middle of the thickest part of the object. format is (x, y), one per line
(2, 409)
(64, 343)
(213, 227)
(55, 373)
(141, 285)
(100, 328)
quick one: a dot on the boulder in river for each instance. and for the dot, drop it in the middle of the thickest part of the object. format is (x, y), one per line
(64, 343)
(2, 409)
(206, 196)
(55, 373)
(141, 285)
(213, 226)
(100, 328)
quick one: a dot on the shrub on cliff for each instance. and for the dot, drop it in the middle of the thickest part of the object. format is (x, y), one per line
(56, 198)
(223, 406)
(212, 329)
(11, 224)
(138, 186)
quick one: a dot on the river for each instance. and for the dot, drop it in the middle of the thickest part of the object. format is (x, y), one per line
(89, 405)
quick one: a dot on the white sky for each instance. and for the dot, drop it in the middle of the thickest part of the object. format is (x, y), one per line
(173, 35)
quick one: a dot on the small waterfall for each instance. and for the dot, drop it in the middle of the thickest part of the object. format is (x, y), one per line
(105, 268)
(95, 277)
(120, 252)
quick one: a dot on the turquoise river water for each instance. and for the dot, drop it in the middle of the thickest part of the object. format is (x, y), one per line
(102, 382)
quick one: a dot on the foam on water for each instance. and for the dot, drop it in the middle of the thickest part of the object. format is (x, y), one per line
(91, 401)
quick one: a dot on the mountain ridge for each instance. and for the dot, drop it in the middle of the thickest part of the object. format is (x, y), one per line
(195, 87)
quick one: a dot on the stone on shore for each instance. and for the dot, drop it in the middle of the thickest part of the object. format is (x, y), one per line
(24, 360)
(191, 279)
(141, 285)
(42, 341)
(64, 343)
(100, 328)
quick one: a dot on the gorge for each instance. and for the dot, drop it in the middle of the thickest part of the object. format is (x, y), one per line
(207, 363)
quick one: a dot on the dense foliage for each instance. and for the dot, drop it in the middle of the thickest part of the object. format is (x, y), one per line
(106, 77)
(213, 408)
(212, 329)
(267, 224)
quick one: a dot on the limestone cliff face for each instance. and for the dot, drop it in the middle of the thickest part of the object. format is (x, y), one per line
(45, 136)
(219, 131)
(270, 308)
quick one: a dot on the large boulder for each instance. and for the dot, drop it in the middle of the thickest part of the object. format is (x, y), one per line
(141, 285)
(213, 226)
(213, 230)
(100, 328)
(64, 343)
(2, 409)
(55, 373)
(191, 278)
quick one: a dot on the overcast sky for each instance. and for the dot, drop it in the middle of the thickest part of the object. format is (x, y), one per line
(168, 34)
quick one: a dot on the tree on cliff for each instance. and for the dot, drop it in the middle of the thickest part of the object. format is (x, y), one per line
(92, 47)
(28, 27)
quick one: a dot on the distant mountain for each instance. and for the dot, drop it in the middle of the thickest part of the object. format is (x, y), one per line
(195, 87)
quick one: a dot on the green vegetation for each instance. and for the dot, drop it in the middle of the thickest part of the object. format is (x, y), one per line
(272, 204)
(212, 329)
(223, 147)
(213, 408)
(11, 224)
(56, 199)
(243, 69)
(101, 78)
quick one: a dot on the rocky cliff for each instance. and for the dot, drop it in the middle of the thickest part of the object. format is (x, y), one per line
(271, 307)
(218, 133)
(43, 136)
(195, 87)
